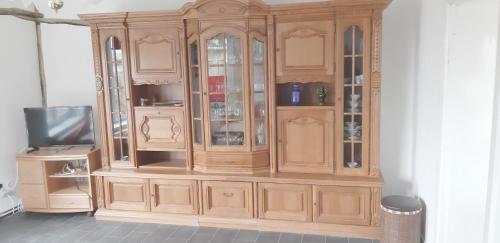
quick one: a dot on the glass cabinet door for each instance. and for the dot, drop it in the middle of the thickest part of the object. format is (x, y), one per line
(117, 99)
(194, 74)
(258, 76)
(226, 108)
(355, 85)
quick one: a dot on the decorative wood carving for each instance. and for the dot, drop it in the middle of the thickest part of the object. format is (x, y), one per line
(377, 32)
(375, 204)
(175, 129)
(154, 39)
(100, 192)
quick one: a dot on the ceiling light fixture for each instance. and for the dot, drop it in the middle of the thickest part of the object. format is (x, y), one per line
(56, 4)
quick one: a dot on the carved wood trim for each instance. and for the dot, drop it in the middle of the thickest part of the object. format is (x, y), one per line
(303, 32)
(223, 26)
(100, 192)
(145, 129)
(100, 94)
(175, 128)
(375, 206)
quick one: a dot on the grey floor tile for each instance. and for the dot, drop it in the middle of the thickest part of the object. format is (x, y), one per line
(47, 238)
(146, 228)
(330, 239)
(247, 235)
(72, 236)
(268, 237)
(94, 236)
(224, 236)
(359, 241)
(159, 235)
(176, 240)
(290, 238)
(313, 239)
(135, 237)
(122, 230)
(206, 230)
(376, 241)
(242, 241)
(184, 232)
(109, 240)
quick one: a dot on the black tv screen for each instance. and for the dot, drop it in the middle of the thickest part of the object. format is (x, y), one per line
(59, 126)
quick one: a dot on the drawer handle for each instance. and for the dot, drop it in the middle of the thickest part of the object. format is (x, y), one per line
(228, 162)
(228, 194)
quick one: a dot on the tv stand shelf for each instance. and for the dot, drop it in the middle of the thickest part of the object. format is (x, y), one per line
(45, 188)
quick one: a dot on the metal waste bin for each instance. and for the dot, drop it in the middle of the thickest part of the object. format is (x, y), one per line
(401, 219)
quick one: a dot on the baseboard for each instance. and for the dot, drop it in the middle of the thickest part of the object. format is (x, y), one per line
(367, 232)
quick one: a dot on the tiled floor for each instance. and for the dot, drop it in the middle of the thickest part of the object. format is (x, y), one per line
(66, 228)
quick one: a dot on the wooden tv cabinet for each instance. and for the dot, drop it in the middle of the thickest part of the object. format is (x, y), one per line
(45, 189)
(199, 127)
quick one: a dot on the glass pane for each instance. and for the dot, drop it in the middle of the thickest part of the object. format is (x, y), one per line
(358, 71)
(234, 78)
(348, 41)
(358, 34)
(260, 106)
(194, 53)
(225, 88)
(353, 97)
(195, 76)
(348, 70)
(235, 107)
(196, 106)
(117, 96)
(197, 132)
(260, 134)
(258, 69)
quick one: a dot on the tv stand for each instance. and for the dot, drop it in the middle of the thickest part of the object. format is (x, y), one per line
(46, 188)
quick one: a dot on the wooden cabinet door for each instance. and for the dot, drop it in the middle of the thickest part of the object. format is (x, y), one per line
(155, 54)
(159, 128)
(174, 196)
(33, 196)
(305, 51)
(305, 141)
(228, 199)
(342, 205)
(285, 201)
(31, 172)
(126, 193)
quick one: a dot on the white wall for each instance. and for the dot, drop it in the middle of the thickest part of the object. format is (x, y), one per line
(467, 120)
(20, 87)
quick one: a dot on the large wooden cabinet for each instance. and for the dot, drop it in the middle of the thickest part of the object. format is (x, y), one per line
(236, 113)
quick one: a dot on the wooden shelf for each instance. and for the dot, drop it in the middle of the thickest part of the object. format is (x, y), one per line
(299, 107)
(171, 164)
(70, 176)
(80, 190)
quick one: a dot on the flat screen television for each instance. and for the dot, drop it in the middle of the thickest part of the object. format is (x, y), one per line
(59, 126)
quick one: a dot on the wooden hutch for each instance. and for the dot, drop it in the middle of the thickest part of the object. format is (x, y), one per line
(198, 127)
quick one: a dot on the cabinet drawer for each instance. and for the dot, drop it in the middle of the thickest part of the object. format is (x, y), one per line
(126, 193)
(228, 199)
(159, 128)
(174, 196)
(64, 202)
(285, 202)
(31, 172)
(342, 205)
(33, 196)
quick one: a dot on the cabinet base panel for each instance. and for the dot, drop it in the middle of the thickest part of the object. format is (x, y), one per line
(353, 231)
(36, 210)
